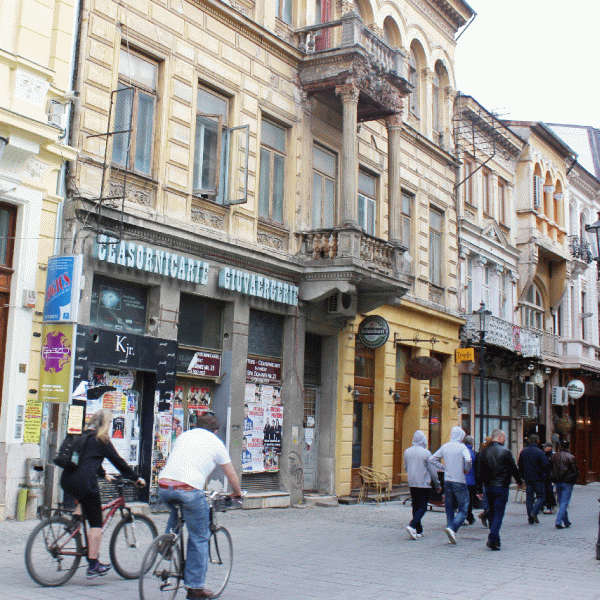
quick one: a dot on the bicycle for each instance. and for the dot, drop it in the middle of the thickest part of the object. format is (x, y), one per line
(55, 546)
(164, 564)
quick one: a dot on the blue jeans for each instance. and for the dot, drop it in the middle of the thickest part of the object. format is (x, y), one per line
(537, 489)
(420, 498)
(563, 495)
(497, 497)
(456, 493)
(196, 514)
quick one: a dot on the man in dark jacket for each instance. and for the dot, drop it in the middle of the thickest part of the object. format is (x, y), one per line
(533, 467)
(563, 469)
(495, 467)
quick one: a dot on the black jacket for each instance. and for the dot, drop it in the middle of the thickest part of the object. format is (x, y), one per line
(533, 464)
(563, 467)
(84, 480)
(496, 466)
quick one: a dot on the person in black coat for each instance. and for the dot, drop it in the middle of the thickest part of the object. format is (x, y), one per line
(534, 469)
(82, 483)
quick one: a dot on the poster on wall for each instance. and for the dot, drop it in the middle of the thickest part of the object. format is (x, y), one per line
(56, 362)
(198, 403)
(33, 421)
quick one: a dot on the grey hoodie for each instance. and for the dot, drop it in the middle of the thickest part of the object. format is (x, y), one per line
(457, 460)
(419, 470)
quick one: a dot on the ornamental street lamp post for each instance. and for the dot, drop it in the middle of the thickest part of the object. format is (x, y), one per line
(483, 315)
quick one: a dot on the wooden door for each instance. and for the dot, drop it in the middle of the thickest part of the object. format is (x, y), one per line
(402, 387)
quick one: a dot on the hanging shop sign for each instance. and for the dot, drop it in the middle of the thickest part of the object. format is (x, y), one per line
(575, 389)
(373, 332)
(260, 370)
(564, 425)
(256, 285)
(56, 362)
(150, 260)
(63, 279)
(424, 367)
(465, 354)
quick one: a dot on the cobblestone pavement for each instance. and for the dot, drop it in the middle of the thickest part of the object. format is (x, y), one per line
(363, 551)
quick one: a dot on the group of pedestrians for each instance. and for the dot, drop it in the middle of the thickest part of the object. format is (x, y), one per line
(493, 468)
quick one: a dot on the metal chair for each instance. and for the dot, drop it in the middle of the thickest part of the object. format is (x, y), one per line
(376, 481)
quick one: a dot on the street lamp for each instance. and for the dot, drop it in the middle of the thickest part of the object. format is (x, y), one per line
(483, 315)
(595, 229)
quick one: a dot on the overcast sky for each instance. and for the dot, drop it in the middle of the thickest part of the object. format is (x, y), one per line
(534, 60)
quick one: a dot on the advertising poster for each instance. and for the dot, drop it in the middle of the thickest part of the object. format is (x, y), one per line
(62, 288)
(198, 403)
(33, 421)
(56, 361)
(177, 413)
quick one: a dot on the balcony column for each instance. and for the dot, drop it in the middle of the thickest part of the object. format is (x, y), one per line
(349, 171)
(394, 131)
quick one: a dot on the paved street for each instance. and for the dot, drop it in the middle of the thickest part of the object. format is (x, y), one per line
(363, 551)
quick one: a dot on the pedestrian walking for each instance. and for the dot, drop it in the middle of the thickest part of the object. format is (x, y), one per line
(549, 506)
(563, 468)
(457, 462)
(420, 473)
(534, 468)
(484, 514)
(496, 466)
(470, 479)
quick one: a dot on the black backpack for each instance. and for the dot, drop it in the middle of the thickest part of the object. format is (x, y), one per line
(70, 451)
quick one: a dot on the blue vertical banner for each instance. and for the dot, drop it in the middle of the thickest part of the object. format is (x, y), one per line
(63, 281)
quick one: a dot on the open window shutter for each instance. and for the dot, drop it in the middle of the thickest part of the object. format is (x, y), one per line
(236, 161)
(207, 154)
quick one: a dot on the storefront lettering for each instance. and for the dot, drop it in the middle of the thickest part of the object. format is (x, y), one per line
(255, 285)
(127, 349)
(151, 260)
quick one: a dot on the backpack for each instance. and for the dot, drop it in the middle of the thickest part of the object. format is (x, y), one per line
(70, 451)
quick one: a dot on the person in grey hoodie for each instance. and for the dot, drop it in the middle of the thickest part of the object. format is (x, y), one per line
(420, 473)
(457, 462)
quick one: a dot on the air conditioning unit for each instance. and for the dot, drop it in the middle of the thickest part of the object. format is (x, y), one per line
(560, 396)
(526, 390)
(341, 305)
(57, 114)
(527, 409)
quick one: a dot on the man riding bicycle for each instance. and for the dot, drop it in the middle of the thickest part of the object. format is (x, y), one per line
(194, 456)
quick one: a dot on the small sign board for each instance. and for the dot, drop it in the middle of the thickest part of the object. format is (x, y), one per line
(465, 354)
(575, 389)
(373, 331)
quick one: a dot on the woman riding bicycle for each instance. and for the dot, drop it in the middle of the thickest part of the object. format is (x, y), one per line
(82, 483)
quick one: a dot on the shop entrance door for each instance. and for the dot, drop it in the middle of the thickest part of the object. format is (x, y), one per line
(362, 433)
(586, 439)
(4, 299)
(309, 450)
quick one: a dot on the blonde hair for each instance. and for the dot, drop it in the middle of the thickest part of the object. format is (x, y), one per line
(100, 422)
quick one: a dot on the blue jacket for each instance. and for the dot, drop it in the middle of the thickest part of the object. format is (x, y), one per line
(470, 476)
(533, 464)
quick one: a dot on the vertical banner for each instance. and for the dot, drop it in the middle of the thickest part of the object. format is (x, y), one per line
(56, 361)
(63, 279)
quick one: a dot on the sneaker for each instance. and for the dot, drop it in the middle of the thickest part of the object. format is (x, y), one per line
(419, 536)
(451, 535)
(99, 570)
(164, 549)
(412, 532)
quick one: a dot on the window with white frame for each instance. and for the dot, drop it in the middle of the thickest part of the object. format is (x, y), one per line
(532, 309)
(406, 225)
(469, 182)
(413, 79)
(469, 284)
(583, 316)
(486, 286)
(367, 203)
(272, 171)
(436, 121)
(502, 202)
(436, 224)
(324, 188)
(487, 192)
(284, 11)
(135, 112)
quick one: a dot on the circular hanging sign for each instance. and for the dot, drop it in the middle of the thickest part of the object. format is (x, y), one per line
(424, 367)
(564, 425)
(575, 389)
(373, 332)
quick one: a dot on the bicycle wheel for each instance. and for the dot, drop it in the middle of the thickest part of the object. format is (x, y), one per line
(52, 553)
(220, 561)
(129, 542)
(161, 573)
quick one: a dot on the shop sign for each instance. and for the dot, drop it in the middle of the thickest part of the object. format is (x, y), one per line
(373, 332)
(424, 367)
(63, 278)
(206, 364)
(260, 370)
(150, 260)
(256, 285)
(564, 425)
(465, 354)
(56, 361)
(575, 389)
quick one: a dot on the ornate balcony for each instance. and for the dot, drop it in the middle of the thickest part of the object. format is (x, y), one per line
(345, 51)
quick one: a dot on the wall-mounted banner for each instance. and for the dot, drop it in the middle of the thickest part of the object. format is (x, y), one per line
(56, 362)
(151, 260)
(373, 332)
(259, 370)
(206, 364)
(63, 279)
(256, 285)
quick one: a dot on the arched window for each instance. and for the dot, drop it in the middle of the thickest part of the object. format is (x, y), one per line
(436, 103)
(532, 308)
(414, 77)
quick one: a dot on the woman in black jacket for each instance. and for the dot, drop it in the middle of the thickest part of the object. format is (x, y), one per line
(82, 483)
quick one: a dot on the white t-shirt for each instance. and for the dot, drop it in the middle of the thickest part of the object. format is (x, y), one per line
(194, 456)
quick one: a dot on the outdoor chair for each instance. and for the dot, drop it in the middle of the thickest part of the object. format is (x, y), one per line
(375, 481)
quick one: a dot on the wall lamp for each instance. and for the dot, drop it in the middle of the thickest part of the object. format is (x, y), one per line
(547, 370)
(353, 392)
(458, 401)
(530, 367)
(395, 394)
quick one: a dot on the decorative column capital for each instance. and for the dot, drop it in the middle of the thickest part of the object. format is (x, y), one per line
(394, 121)
(348, 92)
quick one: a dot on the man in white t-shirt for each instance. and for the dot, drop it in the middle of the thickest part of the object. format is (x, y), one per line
(194, 456)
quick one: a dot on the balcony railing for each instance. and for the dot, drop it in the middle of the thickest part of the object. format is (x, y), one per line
(580, 248)
(350, 31)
